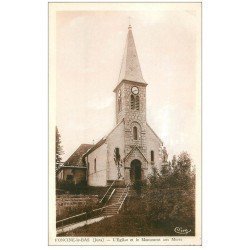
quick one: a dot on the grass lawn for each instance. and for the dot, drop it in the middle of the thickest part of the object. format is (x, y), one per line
(123, 225)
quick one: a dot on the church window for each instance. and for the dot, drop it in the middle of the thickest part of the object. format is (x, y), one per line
(152, 156)
(132, 101)
(135, 133)
(95, 165)
(137, 103)
(117, 152)
(117, 156)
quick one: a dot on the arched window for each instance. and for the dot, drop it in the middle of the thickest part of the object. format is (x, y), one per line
(152, 156)
(135, 134)
(137, 103)
(132, 101)
(95, 165)
(117, 156)
(119, 104)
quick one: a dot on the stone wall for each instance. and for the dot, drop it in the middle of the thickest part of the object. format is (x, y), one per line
(68, 204)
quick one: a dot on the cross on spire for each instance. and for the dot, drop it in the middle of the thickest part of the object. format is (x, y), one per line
(129, 26)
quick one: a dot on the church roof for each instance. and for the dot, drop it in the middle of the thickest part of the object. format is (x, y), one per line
(76, 156)
(93, 147)
(155, 134)
(130, 69)
(97, 145)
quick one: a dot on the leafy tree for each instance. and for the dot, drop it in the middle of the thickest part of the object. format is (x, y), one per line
(59, 150)
(170, 194)
(184, 162)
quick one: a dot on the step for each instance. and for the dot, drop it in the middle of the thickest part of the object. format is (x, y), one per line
(118, 193)
(114, 202)
(116, 198)
(111, 208)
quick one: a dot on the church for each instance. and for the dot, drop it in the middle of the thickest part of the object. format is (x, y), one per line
(130, 151)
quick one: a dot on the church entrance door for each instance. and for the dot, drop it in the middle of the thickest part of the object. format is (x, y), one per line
(135, 171)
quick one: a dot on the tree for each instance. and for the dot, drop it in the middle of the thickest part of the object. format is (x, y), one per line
(184, 162)
(59, 150)
(170, 195)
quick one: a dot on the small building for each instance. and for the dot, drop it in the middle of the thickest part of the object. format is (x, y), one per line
(73, 169)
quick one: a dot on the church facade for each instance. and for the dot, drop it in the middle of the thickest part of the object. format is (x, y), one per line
(132, 148)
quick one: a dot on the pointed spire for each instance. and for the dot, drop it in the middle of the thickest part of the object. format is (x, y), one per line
(130, 69)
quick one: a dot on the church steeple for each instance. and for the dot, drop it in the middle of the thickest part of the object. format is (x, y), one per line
(131, 88)
(130, 69)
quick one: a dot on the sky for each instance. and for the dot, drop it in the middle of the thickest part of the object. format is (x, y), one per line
(89, 50)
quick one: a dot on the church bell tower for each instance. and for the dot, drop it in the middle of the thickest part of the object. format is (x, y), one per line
(131, 99)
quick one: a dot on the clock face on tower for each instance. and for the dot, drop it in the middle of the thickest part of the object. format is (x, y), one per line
(135, 90)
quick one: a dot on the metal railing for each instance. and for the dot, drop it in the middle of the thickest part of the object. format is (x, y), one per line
(109, 197)
(127, 190)
(86, 216)
(107, 192)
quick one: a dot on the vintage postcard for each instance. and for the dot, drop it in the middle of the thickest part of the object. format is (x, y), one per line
(124, 123)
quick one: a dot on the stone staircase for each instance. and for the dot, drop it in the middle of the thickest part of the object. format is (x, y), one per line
(117, 199)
